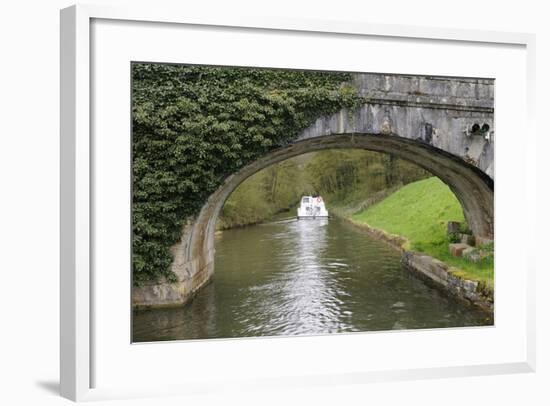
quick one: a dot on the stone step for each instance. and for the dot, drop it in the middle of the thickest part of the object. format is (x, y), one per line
(457, 249)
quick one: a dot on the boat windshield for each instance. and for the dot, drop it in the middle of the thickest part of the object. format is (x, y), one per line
(305, 200)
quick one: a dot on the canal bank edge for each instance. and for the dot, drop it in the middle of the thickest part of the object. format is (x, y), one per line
(439, 274)
(165, 295)
(434, 272)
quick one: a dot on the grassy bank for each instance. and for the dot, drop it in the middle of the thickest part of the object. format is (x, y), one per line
(419, 212)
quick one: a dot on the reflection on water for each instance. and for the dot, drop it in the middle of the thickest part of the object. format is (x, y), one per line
(304, 277)
(307, 297)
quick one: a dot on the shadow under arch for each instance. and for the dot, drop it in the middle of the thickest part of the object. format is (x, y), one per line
(193, 256)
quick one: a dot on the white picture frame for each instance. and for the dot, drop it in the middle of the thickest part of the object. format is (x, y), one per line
(77, 282)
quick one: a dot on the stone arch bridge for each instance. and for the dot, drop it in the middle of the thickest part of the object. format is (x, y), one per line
(442, 124)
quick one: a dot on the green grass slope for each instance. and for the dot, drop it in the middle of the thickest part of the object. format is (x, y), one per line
(419, 212)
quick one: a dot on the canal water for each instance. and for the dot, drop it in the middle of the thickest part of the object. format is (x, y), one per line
(304, 277)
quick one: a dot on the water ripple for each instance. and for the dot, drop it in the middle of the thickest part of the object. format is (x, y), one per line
(304, 277)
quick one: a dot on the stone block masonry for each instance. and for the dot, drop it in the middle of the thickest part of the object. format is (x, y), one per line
(457, 249)
(440, 275)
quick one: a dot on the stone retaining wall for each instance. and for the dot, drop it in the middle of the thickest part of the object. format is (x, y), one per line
(440, 275)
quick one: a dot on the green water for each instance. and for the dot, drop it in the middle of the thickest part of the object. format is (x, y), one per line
(304, 277)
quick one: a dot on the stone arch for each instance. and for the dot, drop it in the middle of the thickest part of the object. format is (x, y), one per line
(430, 121)
(194, 254)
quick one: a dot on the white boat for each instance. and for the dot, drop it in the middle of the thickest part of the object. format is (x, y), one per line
(312, 207)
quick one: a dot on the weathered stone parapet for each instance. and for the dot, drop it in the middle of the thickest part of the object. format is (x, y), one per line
(439, 111)
(460, 93)
(440, 275)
